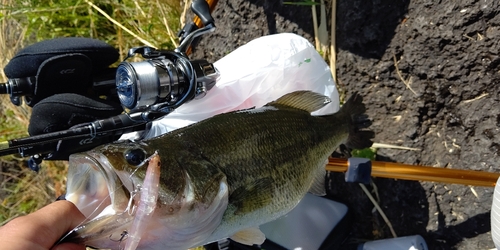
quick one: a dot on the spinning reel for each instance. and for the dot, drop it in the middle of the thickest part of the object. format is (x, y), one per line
(79, 102)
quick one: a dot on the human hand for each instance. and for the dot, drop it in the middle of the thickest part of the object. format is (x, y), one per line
(42, 229)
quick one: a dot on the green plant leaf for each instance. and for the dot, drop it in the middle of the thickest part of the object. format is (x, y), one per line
(368, 153)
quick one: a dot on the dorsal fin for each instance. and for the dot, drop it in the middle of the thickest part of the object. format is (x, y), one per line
(304, 100)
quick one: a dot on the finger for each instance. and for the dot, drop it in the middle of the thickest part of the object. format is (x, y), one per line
(68, 246)
(46, 226)
(56, 219)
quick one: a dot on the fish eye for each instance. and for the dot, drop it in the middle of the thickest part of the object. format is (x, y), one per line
(135, 156)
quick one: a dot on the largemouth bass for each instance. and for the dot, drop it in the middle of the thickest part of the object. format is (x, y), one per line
(219, 178)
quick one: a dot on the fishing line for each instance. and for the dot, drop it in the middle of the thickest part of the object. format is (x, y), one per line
(130, 207)
(142, 164)
(93, 130)
(86, 173)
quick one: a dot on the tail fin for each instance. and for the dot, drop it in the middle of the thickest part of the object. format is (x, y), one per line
(355, 110)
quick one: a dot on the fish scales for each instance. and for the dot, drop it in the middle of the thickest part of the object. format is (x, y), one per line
(246, 167)
(252, 146)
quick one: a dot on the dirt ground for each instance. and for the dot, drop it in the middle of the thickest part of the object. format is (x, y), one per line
(447, 52)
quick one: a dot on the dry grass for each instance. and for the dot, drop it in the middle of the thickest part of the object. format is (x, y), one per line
(25, 191)
(21, 23)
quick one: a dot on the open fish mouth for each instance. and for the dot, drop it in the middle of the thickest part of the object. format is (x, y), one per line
(93, 185)
(100, 193)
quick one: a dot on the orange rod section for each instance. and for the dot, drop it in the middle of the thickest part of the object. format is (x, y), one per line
(422, 173)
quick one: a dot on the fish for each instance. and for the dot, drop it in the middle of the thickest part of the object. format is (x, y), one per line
(219, 178)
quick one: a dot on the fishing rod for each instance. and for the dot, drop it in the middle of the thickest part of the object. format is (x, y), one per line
(413, 172)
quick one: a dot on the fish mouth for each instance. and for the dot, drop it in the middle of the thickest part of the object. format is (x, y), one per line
(93, 185)
(102, 194)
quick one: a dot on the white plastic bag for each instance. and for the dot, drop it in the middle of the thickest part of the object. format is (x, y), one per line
(254, 74)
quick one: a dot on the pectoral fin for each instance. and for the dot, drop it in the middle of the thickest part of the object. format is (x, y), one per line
(249, 236)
